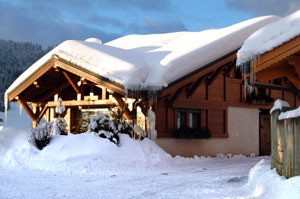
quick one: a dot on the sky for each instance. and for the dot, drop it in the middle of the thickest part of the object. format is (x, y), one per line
(49, 22)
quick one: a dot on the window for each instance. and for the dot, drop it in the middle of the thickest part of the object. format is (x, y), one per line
(195, 120)
(188, 118)
(191, 123)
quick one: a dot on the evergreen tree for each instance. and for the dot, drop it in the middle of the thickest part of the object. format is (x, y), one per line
(15, 58)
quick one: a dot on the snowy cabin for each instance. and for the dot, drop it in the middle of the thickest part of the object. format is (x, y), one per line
(188, 79)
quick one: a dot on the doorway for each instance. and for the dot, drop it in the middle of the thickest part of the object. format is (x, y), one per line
(264, 132)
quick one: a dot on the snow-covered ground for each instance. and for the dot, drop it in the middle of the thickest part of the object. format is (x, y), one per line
(86, 166)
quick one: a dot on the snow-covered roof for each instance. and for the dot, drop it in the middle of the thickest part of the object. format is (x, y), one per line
(116, 64)
(151, 61)
(270, 37)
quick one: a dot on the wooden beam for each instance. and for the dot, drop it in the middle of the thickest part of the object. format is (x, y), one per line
(213, 76)
(43, 111)
(228, 68)
(27, 109)
(281, 52)
(198, 73)
(52, 93)
(295, 61)
(293, 79)
(102, 103)
(123, 106)
(103, 94)
(176, 95)
(191, 91)
(30, 79)
(274, 87)
(74, 86)
(89, 75)
(273, 73)
(144, 107)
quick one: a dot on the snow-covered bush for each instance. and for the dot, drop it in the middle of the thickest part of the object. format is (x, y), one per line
(41, 135)
(121, 125)
(110, 125)
(139, 132)
(103, 125)
(83, 122)
(59, 126)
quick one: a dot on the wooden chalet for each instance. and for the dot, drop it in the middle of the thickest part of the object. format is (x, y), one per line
(205, 111)
(79, 89)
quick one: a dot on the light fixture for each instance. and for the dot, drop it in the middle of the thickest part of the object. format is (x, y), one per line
(56, 68)
(81, 81)
(36, 84)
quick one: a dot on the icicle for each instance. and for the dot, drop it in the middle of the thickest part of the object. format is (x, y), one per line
(152, 96)
(5, 108)
(247, 87)
(20, 109)
(151, 119)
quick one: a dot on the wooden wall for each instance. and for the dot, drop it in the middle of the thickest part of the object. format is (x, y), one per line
(222, 87)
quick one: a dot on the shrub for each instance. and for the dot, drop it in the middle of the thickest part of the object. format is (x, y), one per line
(104, 127)
(41, 135)
(83, 122)
(121, 125)
(59, 126)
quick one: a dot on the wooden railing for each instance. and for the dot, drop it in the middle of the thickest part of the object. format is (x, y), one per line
(285, 150)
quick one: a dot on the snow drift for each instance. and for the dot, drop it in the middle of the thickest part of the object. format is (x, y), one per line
(87, 153)
(83, 152)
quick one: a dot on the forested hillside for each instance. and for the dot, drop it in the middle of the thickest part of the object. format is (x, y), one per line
(15, 57)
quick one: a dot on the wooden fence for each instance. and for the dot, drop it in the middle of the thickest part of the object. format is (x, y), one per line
(285, 151)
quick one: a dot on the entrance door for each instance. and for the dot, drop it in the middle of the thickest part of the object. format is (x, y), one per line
(265, 133)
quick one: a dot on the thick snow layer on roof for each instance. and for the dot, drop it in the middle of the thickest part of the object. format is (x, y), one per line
(270, 37)
(94, 40)
(196, 49)
(151, 61)
(173, 55)
(116, 64)
(145, 43)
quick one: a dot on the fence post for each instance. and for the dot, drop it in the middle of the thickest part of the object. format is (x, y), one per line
(296, 147)
(285, 138)
(274, 139)
(288, 150)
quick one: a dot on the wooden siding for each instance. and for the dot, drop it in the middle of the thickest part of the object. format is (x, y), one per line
(213, 90)
(210, 91)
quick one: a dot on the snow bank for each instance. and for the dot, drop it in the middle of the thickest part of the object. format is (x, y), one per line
(266, 183)
(85, 152)
(269, 37)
